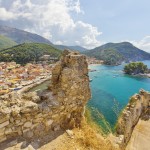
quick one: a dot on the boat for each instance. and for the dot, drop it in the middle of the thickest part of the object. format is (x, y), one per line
(90, 80)
(18, 88)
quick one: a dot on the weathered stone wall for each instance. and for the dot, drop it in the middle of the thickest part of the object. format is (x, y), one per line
(138, 107)
(70, 84)
(62, 106)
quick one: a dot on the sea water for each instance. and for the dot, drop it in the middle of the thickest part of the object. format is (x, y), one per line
(111, 90)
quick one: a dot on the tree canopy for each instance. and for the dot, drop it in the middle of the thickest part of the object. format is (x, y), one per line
(28, 52)
(135, 68)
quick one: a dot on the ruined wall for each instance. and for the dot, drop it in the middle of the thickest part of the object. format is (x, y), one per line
(138, 107)
(61, 106)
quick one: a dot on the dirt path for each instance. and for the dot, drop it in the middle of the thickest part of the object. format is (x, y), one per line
(140, 139)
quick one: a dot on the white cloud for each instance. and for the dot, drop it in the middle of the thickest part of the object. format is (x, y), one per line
(53, 19)
(5, 15)
(143, 44)
(58, 43)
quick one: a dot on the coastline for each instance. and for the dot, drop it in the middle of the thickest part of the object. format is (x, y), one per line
(95, 64)
(140, 75)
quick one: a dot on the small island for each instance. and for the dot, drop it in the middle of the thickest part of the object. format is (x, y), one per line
(137, 68)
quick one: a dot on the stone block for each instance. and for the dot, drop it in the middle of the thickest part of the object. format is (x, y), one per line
(8, 130)
(37, 120)
(4, 124)
(49, 122)
(3, 118)
(28, 124)
(2, 138)
(12, 143)
(34, 125)
(11, 119)
(2, 131)
(17, 121)
(28, 134)
(26, 130)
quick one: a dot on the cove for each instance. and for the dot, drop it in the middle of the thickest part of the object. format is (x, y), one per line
(111, 90)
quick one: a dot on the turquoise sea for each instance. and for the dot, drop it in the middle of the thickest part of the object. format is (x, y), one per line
(111, 90)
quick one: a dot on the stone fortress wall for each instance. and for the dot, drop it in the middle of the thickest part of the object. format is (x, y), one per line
(29, 115)
(137, 108)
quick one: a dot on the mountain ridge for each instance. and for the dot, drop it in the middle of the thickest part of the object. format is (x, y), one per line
(6, 42)
(21, 36)
(116, 53)
(77, 47)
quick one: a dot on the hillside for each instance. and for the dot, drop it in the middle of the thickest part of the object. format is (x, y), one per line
(27, 52)
(115, 53)
(6, 42)
(77, 48)
(20, 36)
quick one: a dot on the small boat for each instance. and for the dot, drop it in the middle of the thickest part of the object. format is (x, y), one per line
(90, 80)
(18, 88)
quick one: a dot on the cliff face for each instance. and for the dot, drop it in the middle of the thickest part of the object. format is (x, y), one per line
(62, 106)
(70, 84)
(138, 107)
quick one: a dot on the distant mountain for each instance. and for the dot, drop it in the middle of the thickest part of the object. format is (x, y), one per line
(115, 53)
(28, 52)
(20, 36)
(6, 42)
(77, 48)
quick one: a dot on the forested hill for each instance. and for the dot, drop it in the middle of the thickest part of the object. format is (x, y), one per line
(115, 53)
(28, 52)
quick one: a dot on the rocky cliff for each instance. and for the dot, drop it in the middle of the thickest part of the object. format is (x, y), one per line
(137, 108)
(70, 85)
(61, 106)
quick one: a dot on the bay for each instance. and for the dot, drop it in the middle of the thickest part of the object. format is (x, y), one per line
(111, 90)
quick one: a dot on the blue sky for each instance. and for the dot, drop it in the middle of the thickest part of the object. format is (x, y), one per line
(88, 23)
(118, 19)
